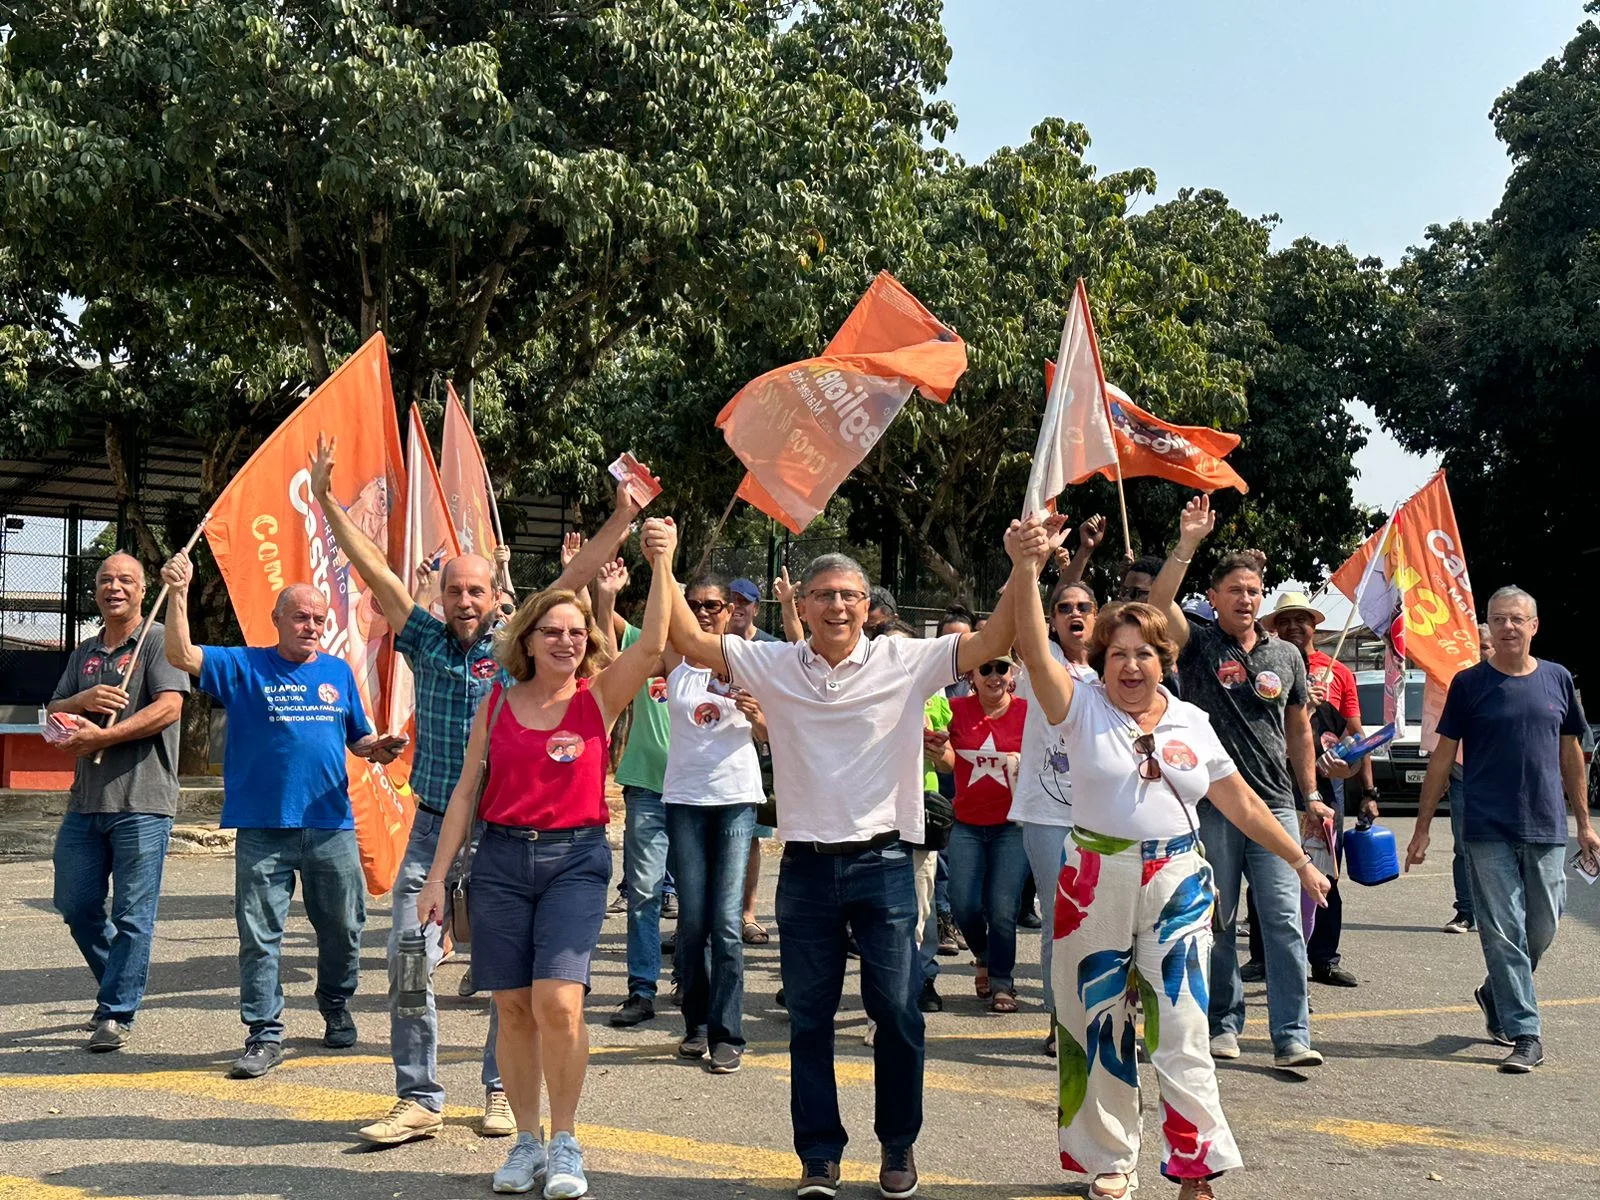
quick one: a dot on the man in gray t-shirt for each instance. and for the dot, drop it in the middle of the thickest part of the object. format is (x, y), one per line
(120, 814)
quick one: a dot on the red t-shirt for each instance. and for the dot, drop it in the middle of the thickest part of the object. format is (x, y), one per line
(548, 778)
(1342, 692)
(983, 749)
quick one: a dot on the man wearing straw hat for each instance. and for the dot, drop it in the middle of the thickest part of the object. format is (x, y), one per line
(125, 703)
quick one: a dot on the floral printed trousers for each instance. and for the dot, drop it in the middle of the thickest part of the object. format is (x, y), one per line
(1133, 929)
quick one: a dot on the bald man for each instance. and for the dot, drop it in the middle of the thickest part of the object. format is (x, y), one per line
(292, 712)
(454, 665)
(119, 816)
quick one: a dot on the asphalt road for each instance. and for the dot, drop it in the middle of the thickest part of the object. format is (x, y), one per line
(1408, 1104)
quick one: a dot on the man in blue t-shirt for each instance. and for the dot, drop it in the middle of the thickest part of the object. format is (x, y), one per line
(292, 713)
(1517, 720)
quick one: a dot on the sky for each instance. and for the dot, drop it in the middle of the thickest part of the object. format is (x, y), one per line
(1360, 122)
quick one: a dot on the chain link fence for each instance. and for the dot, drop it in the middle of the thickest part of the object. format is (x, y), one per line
(47, 569)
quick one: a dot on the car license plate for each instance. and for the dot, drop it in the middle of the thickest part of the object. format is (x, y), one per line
(1416, 776)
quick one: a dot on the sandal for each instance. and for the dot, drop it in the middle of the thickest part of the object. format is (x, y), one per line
(980, 983)
(754, 934)
(1196, 1189)
(1125, 1186)
(1003, 1001)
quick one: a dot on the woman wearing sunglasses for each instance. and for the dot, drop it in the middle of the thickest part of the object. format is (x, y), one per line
(1134, 901)
(987, 862)
(712, 787)
(1041, 795)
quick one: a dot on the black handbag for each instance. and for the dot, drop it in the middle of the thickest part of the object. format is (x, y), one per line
(938, 819)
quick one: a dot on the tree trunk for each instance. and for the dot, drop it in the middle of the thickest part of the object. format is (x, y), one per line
(194, 742)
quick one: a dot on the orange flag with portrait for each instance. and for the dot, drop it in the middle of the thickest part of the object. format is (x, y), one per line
(267, 531)
(801, 429)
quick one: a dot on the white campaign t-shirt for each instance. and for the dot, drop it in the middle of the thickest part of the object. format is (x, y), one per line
(1109, 797)
(711, 759)
(846, 740)
(1042, 793)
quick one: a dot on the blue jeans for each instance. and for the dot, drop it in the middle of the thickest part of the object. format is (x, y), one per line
(1277, 892)
(94, 853)
(822, 899)
(941, 885)
(414, 1041)
(710, 849)
(1520, 890)
(265, 862)
(988, 866)
(1460, 874)
(644, 866)
(1046, 849)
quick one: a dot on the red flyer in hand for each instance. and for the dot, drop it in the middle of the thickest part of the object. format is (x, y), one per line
(642, 487)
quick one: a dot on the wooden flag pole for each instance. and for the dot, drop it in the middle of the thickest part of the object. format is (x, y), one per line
(144, 632)
(711, 543)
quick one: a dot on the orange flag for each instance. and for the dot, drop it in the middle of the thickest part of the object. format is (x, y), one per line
(1419, 579)
(430, 536)
(466, 481)
(267, 532)
(801, 429)
(1188, 454)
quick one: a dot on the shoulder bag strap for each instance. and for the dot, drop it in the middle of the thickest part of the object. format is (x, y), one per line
(465, 857)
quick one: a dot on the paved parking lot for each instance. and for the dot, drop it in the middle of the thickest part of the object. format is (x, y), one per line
(1409, 1103)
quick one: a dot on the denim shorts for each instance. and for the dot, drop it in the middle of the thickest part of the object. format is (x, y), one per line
(536, 908)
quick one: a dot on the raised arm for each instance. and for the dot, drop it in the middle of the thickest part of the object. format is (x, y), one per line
(366, 558)
(1032, 540)
(602, 547)
(783, 591)
(608, 586)
(1090, 534)
(1051, 682)
(617, 684)
(1195, 524)
(689, 640)
(181, 652)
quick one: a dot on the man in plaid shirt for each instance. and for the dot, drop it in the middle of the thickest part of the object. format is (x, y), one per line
(454, 663)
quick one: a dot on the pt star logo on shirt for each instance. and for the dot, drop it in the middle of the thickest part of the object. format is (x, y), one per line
(987, 763)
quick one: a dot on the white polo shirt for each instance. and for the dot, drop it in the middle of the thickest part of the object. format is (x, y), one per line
(846, 740)
(1042, 794)
(1109, 797)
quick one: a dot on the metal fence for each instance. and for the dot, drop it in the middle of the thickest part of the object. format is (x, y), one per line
(47, 606)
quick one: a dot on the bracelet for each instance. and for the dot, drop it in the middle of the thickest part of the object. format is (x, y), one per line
(441, 882)
(1184, 561)
(1303, 863)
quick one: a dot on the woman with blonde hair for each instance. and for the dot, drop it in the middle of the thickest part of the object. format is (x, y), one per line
(539, 879)
(1134, 899)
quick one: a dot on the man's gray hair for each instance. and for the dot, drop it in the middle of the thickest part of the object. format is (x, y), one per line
(824, 564)
(286, 597)
(1513, 592)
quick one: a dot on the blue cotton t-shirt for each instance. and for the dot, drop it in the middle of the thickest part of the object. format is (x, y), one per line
(288, 726)
(1510, 729)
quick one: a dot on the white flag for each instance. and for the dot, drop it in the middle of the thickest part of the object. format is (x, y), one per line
(1075, 436)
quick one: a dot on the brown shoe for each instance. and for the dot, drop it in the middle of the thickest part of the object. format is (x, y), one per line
(819, 1178)
(897, 1176)
(405, 1122)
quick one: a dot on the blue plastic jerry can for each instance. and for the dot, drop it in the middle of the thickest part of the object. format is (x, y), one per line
(1370, 854)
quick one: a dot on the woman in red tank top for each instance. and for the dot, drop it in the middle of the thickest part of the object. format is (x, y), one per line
(542, 868)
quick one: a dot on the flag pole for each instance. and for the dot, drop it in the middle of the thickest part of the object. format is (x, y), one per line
(711, 542)
(1105, 399)
(1366, 574)
(144, 632)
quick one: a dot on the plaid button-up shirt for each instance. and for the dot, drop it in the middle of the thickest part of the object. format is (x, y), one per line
(451, 681)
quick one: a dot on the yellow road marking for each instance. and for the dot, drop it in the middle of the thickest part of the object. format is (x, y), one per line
(1377, 1135)
(14, 1187)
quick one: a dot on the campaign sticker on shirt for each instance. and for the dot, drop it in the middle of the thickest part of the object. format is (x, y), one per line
(91, 665)
(658, 690)
(122, 663)
(1179, 756)
(484, 668)
(564, 747)
(327, 693)
(1268, 685)
(706, 715)
(1231, 674)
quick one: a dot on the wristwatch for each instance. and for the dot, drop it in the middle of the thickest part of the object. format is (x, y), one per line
(1370, 793)
(1313, 797)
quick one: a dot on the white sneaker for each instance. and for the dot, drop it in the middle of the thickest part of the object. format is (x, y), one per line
(566, 1180)
(524, 1166)
(1225, 1045)
(498, 1119)
(1298, 1055)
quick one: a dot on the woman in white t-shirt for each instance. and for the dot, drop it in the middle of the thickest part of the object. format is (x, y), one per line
(1041, 796)
(711, 789)
(1134, 901)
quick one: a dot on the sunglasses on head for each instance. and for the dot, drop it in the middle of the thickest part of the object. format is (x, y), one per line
(710, 607)
(1074, 608)
(995, 668)
(1145, 747)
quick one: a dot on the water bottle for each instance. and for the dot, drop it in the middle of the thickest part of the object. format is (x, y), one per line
(411, 975)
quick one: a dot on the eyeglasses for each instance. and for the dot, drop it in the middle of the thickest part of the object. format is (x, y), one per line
(1145, 747)
(995, 668)
(710, 607)
(845, 596)
(1070, 608)
(1133, 593)
(551, 633)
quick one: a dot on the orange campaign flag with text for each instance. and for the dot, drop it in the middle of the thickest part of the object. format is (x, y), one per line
(801, 429)
(267, 532)
(466, 481)
(1419, 576)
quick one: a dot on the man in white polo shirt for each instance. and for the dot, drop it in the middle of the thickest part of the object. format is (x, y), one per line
(845, 714)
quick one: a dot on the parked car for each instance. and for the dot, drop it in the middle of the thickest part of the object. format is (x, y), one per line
(1399, 768)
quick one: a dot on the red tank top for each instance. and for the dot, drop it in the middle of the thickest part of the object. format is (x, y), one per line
(548, 778)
